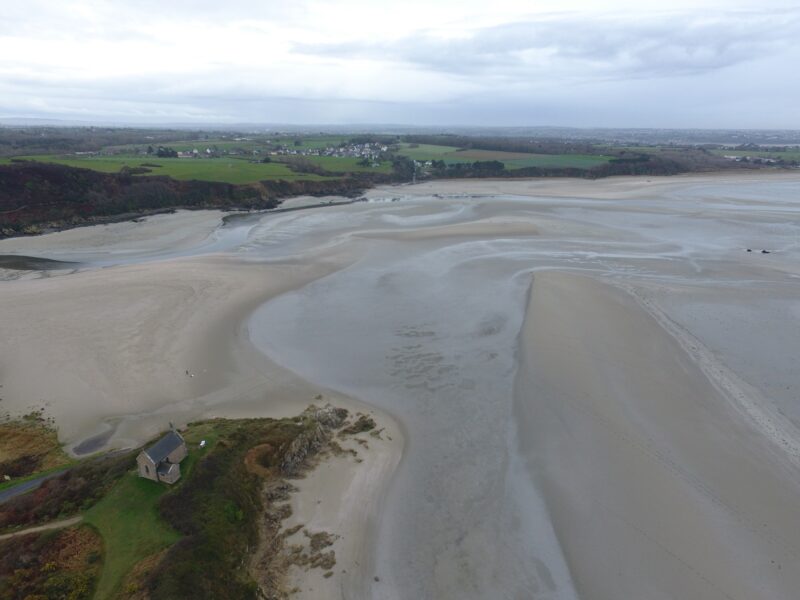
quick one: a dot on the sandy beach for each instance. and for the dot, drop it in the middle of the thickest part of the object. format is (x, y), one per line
(637, 450)
(136, 345)
(587, 387)
(114, 355)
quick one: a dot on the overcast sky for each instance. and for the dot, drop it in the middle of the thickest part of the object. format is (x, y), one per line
(615, 63)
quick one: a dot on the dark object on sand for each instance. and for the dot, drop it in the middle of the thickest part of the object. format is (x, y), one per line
(765, 252)
(18, 262)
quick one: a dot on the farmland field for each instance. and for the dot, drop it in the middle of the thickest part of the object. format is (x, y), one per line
(189, 145)
(425, 151)
(519, 160)
(511, 160)
(786, 156)
(262, 143)
(339, 164)
(312, 142)
(227, 170)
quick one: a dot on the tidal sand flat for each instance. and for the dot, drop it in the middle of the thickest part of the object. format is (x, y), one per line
(649, 471)
(590, 383)
(429, 324)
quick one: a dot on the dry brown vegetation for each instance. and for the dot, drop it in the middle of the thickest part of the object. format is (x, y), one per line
(29, 445)
(363, 423)
(53, 564)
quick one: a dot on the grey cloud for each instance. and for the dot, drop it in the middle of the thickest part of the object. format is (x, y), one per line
(612, 46)
(625, 69)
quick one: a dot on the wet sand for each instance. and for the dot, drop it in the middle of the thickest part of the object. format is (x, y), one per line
(626, 426)
(491, 500)
(638, 452)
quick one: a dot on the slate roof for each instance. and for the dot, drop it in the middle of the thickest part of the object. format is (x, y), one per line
(162, 448)
(166, 468)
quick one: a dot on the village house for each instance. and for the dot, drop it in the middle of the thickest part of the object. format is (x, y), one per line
(161, 461)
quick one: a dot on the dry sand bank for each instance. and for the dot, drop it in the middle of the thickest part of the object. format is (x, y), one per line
(343, 497)
(656, 485)
(606, 188)
(107, 344)
(177, 230)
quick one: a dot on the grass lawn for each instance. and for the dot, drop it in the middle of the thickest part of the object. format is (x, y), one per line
(131, 528)
(227, 170)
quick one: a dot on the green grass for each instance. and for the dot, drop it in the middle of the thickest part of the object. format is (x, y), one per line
(339, 164)
(511, 160)
(426, 151)
(227, 170)
(187, 145)
(210, 431)
(640, 149)
(578, 161)
(311, 142)
(260, 142)
(787, 156)
(131, 528)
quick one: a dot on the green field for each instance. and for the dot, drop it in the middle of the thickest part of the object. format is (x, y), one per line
(643, 149)
(323, 141)
(339, 164)
(786, 156)
(227, 170)
(511, 160)
(577, 161)
(128, 521)
(426, 151)
(189, 145)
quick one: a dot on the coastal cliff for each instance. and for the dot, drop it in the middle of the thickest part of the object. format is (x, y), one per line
(36, 197)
